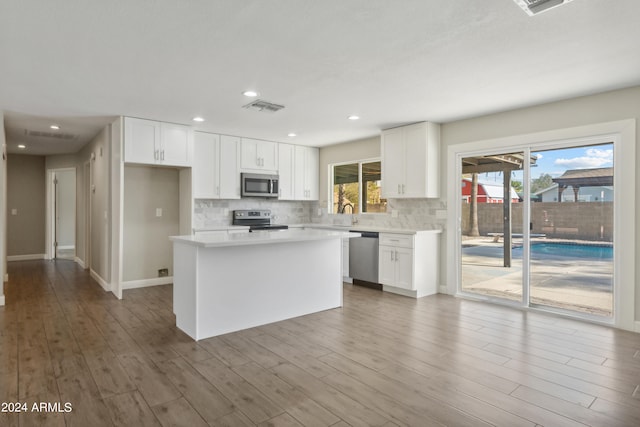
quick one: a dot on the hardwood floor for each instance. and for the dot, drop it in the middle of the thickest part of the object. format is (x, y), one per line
(382, 360)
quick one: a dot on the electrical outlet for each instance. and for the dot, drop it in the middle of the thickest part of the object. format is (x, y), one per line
(394, 213)
(163, 272)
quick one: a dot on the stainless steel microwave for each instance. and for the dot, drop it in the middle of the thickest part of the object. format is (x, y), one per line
(259, 185)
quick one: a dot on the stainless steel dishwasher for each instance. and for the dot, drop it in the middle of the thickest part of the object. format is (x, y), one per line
(363, 259)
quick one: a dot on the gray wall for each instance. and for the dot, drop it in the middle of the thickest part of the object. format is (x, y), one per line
(26, 192)
(146, 245)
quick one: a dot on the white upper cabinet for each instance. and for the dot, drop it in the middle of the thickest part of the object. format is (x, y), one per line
(204, 175)
(306, 173)
(216, 173)
(411, 161)
(258, 155)
(229, 167)
(157, 143)
(286, 168)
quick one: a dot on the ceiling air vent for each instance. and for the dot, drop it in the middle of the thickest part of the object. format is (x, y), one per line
(533, 7)
(264, 106)
(56, 135)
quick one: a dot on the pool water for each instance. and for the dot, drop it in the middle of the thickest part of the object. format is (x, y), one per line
(568, 250)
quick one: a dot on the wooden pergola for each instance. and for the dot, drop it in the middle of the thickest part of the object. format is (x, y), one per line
(577, 178)
(505, 163)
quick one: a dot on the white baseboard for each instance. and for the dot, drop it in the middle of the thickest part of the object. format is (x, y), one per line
(637, 326)
(134, 284)
(29, 257)
(6, 277)
(1, 300)
(79, 262)
(100, 280)
(66, 247)
(347, 280)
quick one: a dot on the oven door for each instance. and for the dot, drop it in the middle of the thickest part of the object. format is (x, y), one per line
(259, 185)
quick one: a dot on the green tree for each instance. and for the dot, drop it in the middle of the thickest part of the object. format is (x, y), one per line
(543, 181)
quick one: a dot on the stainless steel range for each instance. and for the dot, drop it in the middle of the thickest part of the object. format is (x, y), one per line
(256, 220)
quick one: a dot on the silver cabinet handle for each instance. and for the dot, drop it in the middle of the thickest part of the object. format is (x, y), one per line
(391, 252)
(402, 188)
(398, 188)
(162, 155)
(155, 154)
(218, 190)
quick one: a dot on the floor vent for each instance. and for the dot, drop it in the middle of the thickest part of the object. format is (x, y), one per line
(263, 106)
(533, 7)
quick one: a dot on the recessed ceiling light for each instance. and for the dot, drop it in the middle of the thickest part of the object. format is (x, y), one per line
(198, 119)
(22, 146)
(291, 134)
(250, 93)
(55, 127)
(353, 117)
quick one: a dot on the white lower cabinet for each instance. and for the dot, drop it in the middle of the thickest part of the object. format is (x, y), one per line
(408, 263)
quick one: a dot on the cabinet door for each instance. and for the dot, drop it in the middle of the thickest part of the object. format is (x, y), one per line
(386, 265)
(176, 144)
(393, 159)
(345, 258)
(286, 171)
(268, 153)
(259, 155)
(404, 268)
(249, 154)
(312, 168)
(299, 184)
(229, 167)
(141, 140)
(415, 137)
(205, 166)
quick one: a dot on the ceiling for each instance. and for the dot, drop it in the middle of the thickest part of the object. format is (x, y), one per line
(81, 63)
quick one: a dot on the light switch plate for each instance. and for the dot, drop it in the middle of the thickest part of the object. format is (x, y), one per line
(14, 211)
(394, 213)
(158, 212)
(441, 213)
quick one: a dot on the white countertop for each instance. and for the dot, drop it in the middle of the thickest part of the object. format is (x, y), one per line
(359, 227)
(222, 228)
(262, 237)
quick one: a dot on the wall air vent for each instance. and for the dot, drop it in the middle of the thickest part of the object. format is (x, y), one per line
(533, 7)
(56, 135)
(264, 106)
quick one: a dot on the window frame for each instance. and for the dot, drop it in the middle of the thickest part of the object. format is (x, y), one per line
(330, 175)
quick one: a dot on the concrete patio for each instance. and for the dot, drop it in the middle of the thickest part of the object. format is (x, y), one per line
(578, 284)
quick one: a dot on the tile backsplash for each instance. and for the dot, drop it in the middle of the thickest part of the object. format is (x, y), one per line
(411, 213)
(216, 213)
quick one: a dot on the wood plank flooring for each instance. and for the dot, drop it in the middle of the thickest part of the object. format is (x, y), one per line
(382, 360)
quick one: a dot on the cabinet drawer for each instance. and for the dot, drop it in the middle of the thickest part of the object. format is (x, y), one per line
(397, 240)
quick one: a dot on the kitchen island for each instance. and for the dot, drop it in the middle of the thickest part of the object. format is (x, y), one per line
(226, 283)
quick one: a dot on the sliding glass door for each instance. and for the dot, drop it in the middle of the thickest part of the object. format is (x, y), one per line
(537, 228)
(571, 241)
(492, 218)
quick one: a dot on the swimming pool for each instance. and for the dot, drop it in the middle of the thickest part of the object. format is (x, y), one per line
(568, 250)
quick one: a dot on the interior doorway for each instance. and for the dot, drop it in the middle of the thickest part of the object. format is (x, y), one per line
(61, 213)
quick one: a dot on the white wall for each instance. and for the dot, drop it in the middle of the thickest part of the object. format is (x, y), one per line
(606, 107)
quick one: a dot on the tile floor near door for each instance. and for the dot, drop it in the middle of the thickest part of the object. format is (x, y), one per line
(380, 360)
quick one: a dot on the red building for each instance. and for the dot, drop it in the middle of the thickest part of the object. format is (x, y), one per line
(488, 192)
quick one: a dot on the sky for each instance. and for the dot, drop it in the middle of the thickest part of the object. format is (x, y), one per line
(556, 162)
